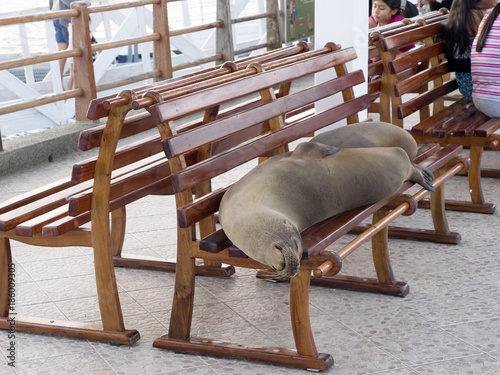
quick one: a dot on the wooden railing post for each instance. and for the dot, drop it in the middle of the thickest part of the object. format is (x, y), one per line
(83, 65)
(272, 25)
(224, 36)
(162, 59)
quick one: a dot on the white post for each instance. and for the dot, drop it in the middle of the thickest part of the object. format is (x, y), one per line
(347, 25)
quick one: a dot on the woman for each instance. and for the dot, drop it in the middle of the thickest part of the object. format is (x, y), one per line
(485, 65)
(461, 28)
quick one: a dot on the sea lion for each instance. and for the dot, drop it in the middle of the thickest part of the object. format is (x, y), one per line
(264, 212)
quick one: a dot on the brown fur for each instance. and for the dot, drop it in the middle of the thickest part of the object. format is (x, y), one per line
(264, 212)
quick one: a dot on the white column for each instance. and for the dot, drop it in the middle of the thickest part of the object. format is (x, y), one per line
(345, 23)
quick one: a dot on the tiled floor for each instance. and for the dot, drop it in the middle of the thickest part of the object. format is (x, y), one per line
(448, 324)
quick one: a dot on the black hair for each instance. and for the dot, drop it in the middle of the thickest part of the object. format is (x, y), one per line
(460, 26)
(394, 4)
(487, 27)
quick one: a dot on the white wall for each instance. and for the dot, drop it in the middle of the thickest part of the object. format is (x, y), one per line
(345, 23)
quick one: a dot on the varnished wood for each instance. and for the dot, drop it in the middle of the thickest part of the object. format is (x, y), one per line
(192, 175)
(5, 270)
(456, 122)
(248, 145)
(101, 187)
(278, 356)
(399, 289)
(299, 314)
(65, 328)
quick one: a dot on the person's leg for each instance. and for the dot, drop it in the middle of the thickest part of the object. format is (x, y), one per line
(489, 107)
(464, 81)
(71, 78)
(62, 39)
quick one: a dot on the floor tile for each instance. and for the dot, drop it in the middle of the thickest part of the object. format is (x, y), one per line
(473, 365)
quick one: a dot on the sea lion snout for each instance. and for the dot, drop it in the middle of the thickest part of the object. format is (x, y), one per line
(288, 257)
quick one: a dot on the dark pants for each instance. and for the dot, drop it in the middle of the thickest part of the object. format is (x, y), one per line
(444, 4)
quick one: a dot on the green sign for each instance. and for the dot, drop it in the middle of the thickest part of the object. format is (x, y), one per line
(299, 19)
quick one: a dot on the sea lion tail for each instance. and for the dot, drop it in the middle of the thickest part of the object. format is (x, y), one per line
(423, 177)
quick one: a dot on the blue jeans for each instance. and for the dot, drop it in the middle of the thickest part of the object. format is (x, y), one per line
(464, 81)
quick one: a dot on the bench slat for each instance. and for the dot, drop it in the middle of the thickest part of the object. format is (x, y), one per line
(426, 126)
(411, 36)
(136, 124)
(96, 109)
(174, 109)
(222, 128)
(31, 227)
(124, 184)
(488, 128)
(426, 98)
(124, 156)
(10, 219)
(35, 195)
(463, 124)
(415, 81)
(409, 59)
(200, 208)
(212, 167)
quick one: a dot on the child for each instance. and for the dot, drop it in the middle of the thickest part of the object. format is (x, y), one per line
(385, 12)
(485, 65)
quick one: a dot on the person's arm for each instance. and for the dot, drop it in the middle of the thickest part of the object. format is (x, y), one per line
(371, 22)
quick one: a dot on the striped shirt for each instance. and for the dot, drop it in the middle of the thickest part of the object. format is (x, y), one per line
(485, 65)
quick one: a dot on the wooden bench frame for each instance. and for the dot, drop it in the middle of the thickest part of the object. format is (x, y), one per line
(459, 123)
(99, 190)
(200, 210)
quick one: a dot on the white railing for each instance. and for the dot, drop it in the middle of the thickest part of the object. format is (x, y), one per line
(139, 28)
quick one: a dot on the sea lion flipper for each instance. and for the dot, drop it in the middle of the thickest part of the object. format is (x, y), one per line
(423, 177)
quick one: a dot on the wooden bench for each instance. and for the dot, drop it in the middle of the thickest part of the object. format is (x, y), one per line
(455, 122)
(199, 210)
(89, 207)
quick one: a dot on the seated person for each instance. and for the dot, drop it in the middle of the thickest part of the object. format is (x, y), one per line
(485, 64)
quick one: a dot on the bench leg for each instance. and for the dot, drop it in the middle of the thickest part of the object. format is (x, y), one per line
(182, 307)
(118, 223)
(89, 331)
(118, 226)
(299, 313)
(107, 289)
(385, 282)
(476, 191)
(380, 252)
(179, 339)
(5, 261)
(438, 210)
(441, 232)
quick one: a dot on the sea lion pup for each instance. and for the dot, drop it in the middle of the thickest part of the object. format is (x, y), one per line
(264, 212)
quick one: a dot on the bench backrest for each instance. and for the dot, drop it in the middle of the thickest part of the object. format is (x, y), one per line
(375, 66)
(100, 107)
(123, 174)
(247, 145)
(423, 70)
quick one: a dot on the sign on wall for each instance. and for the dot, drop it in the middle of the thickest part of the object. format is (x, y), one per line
(299, 19)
